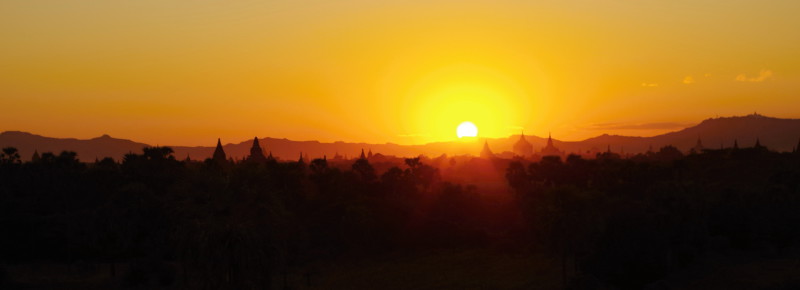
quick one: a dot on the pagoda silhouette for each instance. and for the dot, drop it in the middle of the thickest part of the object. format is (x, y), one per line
(550, 149)
(256, 153)
(522, 147)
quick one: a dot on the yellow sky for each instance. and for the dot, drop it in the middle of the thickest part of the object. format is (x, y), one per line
(187, 72)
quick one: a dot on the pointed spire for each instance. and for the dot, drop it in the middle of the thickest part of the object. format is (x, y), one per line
(35, 156)
(522, 147)
(758, 143)
(301, 158)
(219, 153)
(797, 149)
(486, 152)
(256, 153)
(698, 147)
(735, 144)
(550, 149)
(362, 154)
(369, 155)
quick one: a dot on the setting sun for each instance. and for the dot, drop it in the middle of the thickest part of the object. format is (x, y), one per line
(467, 129)
(182, 144)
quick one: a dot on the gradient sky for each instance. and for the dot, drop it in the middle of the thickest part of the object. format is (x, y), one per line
(186, 72)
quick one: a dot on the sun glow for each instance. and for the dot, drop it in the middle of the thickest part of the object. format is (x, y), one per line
(467, 129)
(446, 97)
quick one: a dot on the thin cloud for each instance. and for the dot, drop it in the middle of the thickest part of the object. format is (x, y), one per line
(688, 80)
(763, 75)
(649, 84)
(638, 126)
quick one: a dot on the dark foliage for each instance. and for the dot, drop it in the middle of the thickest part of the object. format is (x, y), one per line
(629, 222)
(622, 223)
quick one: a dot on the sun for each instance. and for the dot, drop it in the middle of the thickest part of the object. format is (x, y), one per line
(467, 129)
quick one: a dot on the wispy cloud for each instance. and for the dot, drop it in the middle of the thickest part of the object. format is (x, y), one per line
(649, 84)
(688, 80)
(638, 126)
(410, 135)
(763, 75)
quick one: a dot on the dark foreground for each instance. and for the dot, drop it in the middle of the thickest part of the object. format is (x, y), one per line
(721, 219)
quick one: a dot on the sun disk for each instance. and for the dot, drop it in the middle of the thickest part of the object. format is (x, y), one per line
(467, 129)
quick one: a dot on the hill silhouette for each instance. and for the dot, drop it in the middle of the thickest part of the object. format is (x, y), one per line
(775, 133)
(89, 149)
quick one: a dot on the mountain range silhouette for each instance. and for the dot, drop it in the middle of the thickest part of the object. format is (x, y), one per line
(775, 133)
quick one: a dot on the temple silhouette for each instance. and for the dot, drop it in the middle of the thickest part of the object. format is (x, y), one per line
(256, 153)
(522, 147)
(550, 149)
(486, 152)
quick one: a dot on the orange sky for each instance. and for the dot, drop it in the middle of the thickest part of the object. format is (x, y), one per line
(187, 72)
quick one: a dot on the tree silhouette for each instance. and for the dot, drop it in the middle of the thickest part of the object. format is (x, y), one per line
(364, 170)
(9, 155)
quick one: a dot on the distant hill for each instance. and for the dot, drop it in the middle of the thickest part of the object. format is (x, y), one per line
(776, 134)
(87, 150)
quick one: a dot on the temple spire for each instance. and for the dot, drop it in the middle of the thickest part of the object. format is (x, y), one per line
(797, 149)
(486, 152)
(363, 156)
(698, 147)
(219, 153)
(522, 147)
(256, 153)
(550, 149)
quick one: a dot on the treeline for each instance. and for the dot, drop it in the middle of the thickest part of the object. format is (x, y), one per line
(212, 225)
(607, 222)
(630, 222)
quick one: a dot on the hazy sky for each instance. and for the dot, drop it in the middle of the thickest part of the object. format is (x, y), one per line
(187, 72)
